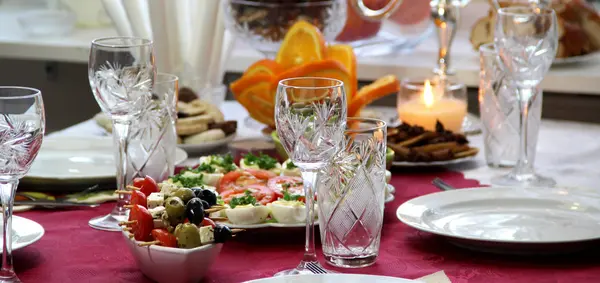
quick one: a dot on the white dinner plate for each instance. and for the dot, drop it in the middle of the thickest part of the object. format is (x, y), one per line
(333, 278)
(74, 159)
(434, 163)
(519, 219)
(206, 147)
(25, 232)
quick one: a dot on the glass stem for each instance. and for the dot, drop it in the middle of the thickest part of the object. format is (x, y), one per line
(309, 178)
(8, 187)
(120, 136)
(445, 16)
(524, 167)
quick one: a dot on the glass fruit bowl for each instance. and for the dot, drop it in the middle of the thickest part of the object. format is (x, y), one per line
(264, 23)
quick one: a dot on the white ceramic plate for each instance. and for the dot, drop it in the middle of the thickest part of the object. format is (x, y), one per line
(25, 232)
(332, 278)
(65, 159)
(207, 146)
(433, 164)
(541, 216)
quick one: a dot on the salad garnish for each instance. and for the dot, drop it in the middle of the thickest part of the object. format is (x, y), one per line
(243, 200)
(187, 181)
(289, 197)
(290, 166)
(262, 160)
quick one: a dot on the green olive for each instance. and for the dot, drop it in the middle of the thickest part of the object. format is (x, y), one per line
(184, 194)
(187, 236)
(175, 210)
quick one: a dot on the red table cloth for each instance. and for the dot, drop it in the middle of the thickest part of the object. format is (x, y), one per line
(71, 251)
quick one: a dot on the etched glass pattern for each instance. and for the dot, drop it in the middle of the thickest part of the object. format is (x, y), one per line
(351, 194)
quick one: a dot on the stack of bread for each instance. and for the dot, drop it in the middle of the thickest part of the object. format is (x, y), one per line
(199, 121)
(578, 27)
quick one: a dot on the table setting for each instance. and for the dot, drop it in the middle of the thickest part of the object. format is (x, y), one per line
(300, 178)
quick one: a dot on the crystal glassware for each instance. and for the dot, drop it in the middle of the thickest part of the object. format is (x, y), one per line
(499, 112)
(121, 72)
(351, 192)
(22, 124)
(526, 39)
(310, 115)
(152, 137)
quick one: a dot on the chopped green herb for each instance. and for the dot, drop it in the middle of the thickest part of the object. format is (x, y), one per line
(220, 200)
(187, 181)
(288, 197)
(291, 166)
(205, 168)
(262, 160)
(243, 200)
(272, 220)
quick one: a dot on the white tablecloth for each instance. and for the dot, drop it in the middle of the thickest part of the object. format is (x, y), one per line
(567, 151)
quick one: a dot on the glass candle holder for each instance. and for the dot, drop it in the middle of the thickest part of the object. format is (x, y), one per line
(424, 102)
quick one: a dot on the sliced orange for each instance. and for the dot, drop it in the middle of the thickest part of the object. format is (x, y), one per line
(323, 69)
(302, 43)
(369, 93)
(264, 66)
(257, 87)
(345, 54)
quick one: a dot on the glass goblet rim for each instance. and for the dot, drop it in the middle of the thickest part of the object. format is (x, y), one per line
(525, 11)
(164, 78)
(376, 124)
(337, 83)
(106, 42)
(33, 92)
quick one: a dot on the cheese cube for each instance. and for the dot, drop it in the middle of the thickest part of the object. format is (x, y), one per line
(160, 223)
(155, 200)
(157, 211)
(207, 234)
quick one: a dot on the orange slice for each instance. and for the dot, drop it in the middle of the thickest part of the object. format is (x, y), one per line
(324, 69)
(248, 90)
(345, 54)
(303, 43)
(369, 93)
(264, 66)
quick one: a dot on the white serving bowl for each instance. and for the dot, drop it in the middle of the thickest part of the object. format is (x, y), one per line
(172, 265)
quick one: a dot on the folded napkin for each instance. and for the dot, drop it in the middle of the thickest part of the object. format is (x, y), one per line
(438, 277)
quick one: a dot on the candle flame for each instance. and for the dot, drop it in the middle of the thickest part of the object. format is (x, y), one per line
(428, 94)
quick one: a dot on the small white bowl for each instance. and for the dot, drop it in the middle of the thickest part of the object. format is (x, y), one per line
(172, 265)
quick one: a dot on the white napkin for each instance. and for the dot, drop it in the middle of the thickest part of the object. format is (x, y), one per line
(438, 277)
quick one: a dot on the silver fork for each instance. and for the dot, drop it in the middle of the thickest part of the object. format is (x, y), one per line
(315, 268)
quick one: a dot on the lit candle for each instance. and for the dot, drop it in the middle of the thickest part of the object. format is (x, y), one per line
(426, 110)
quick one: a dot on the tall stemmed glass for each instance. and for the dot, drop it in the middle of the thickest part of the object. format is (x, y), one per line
(121, 72)
(526, 39)
(22, 123)
(310, 115)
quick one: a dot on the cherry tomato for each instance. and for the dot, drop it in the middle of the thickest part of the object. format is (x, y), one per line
(143, 226)
(207, 222)
(165, 238)
(137, 197)
(240, 179)
(147, 185)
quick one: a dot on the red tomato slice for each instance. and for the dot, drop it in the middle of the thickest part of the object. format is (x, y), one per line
(165, 238)
(261, 193)
(143, 226)
(240, 179)
(147, 185)
(292, 184)
(207, 222)
(137, 197)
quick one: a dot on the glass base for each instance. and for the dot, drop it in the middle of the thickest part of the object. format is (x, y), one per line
(519, 181)
(300, 270)
(108, 222)
(9, 277)
(351, 262)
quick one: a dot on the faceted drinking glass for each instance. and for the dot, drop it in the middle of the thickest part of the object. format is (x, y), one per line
(526, 39)
(121, 72)
(152, 138)
(310, 115)
(499, 112)
(22, 124)
(351, 195)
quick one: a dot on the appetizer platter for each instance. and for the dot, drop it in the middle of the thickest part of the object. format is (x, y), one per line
(415, 146)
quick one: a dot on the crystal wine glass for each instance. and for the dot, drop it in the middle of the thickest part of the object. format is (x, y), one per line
(22, 124)
(310, 115)
(526, 39)
(121, 72)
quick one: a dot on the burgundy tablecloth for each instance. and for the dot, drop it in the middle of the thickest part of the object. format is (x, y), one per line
(73, 252)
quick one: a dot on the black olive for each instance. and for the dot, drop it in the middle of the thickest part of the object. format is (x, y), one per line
(222, 233)
(205, 205)
(197, 191)
(209, 196)
(194, 211)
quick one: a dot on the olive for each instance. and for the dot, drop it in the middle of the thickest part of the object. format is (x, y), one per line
(222, 233)
(197, 191)
(184, 194)
(175, 210)
(205, 204)
(194, 211)
(209, 196)
(187, 236)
